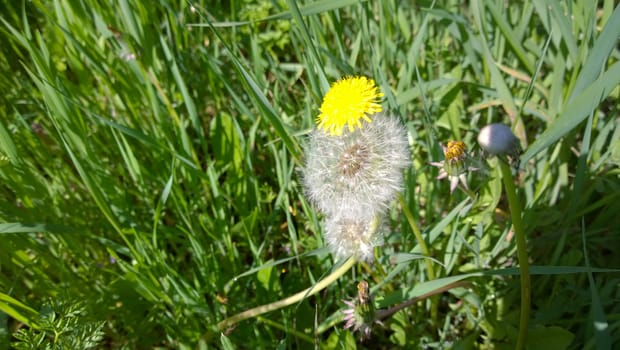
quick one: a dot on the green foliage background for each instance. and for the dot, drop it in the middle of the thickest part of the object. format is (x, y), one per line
(150, 156)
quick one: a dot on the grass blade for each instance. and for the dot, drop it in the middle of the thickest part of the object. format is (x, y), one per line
(576, 111)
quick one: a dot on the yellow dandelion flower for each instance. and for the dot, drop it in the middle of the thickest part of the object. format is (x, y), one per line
(454, 150)
(347, 102)
(456, 165)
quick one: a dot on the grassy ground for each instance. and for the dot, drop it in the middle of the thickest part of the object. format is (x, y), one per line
(150, 157)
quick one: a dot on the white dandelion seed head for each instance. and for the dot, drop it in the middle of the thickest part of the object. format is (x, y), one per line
(357, 174)
(351, 237)
(498, 139)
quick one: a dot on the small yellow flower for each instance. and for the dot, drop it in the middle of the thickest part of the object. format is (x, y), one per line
(456, 165)
(347, 102)
(454, 150)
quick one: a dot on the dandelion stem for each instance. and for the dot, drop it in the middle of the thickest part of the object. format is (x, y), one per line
(259, 310)
(517, 224)
(423, 247)
(383, 314)
(288, 330)
(469, 192)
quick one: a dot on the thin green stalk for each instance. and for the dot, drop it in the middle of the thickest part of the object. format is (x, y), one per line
(383, 314)
(259, 310)
(288, 330)
(469, 192)
(517, 224)
(418, 236)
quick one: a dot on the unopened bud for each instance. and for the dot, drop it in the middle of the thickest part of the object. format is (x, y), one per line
(498, 139)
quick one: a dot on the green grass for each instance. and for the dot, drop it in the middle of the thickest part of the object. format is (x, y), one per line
(150, 157)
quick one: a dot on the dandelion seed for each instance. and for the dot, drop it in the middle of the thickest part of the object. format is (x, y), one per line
(358, 174)
(353, 176)
(347, 103)
(350, 237)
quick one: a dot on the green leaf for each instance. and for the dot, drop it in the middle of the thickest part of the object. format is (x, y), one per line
(19, 227)
(7, 147)
(545, 338)
(18, 310)
(599, 320)
(427, 287)
(264, 276)
(225, 142)
(340, 340)
(226, 343)
(312, 8)
(576, 111)
(605, 43)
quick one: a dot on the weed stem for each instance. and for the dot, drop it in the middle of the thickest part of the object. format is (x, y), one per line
(517, 224)
(423, 247)
(259, 310)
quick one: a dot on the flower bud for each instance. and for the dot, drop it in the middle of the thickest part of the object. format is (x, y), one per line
(456, 165)
(360, 314)
(498, 139)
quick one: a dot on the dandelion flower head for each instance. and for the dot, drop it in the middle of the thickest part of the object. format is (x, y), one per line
(358, 174)
(347, 103)
(456, 165)
(454, 151)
